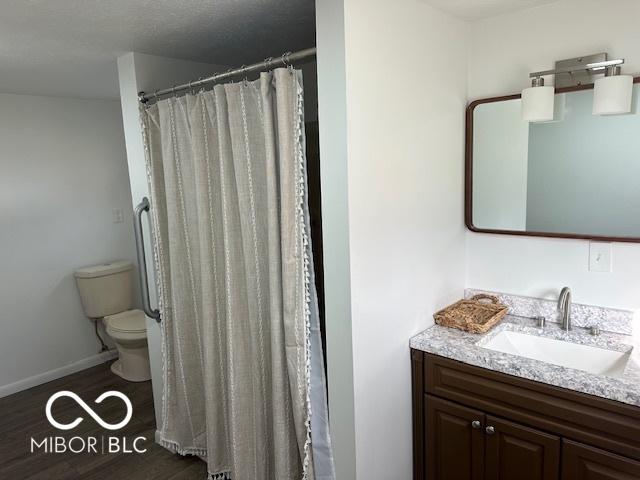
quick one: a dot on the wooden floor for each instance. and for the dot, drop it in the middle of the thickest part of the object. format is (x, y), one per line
(22, 416)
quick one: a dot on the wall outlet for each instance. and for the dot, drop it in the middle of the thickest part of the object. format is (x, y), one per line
(599, 257)
(118, 215)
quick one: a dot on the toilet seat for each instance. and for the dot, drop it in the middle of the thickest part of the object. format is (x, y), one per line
(126, 324)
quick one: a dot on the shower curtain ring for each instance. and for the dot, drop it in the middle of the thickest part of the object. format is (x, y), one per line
(267, 61)
(173, 91)
(155, 94)
(285, 58)
(244, 79)
(287, 61)
(228, 73)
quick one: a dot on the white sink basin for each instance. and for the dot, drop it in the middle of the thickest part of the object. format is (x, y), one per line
(572, 355)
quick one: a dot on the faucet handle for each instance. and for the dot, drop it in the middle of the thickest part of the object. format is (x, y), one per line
(594, 330)
(541, 321)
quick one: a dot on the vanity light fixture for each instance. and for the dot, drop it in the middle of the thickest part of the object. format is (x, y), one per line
(612, 93)
(538, 101)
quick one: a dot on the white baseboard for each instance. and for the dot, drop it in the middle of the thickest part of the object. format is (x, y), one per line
(57, 373)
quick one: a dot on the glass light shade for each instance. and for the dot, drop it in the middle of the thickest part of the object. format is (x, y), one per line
(612, 95)
(537, 104)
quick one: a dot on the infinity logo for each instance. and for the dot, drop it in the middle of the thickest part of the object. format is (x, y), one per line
(89, 410)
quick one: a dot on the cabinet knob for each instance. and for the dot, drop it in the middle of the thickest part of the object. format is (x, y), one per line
(476, 424)
(490, 430)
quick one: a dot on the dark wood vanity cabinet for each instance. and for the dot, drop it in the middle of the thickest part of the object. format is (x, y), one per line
(476, 424)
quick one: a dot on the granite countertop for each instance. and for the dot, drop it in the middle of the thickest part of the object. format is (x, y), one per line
(467, 347)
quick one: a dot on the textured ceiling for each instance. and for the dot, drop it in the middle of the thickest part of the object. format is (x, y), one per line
(69, 48)
(477, 9)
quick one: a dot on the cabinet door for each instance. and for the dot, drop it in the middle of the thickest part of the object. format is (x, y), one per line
(454, 445)
(581, 462)
(514, 451)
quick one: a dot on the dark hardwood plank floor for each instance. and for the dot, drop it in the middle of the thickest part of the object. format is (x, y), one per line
(22, 416)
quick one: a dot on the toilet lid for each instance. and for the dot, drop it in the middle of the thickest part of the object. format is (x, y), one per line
(130, 321)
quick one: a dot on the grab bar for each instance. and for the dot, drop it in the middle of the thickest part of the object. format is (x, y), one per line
(142, 260)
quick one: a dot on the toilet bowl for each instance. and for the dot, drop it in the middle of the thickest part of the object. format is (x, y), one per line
(129, 333)
(106, 292)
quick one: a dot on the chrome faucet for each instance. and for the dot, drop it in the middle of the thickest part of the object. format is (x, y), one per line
(564, 305)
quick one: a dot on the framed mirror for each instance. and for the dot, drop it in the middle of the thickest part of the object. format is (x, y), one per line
(577, 176)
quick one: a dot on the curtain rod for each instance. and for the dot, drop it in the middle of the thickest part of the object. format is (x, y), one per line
(269, 63)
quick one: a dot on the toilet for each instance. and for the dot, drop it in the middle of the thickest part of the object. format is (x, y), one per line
(106, 292)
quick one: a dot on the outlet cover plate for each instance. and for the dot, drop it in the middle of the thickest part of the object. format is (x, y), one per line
(118, 215)
(599, 257)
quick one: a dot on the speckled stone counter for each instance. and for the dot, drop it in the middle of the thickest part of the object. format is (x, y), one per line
(467, 348)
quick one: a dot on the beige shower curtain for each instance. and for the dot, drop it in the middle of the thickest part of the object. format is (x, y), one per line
(227, 173)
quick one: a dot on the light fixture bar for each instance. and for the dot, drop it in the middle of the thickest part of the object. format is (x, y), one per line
(612, 92)
(596, 66)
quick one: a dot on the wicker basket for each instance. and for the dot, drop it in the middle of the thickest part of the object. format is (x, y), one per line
(473, 315)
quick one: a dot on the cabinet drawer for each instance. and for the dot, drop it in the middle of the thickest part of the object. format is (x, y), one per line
(604, 423)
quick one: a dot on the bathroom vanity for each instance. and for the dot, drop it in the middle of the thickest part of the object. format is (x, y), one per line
(484, 410)
(524, 402)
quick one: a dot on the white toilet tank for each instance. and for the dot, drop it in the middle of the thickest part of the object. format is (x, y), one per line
(105, 289)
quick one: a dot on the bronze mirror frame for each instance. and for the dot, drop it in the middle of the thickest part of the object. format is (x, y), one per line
(468, 177)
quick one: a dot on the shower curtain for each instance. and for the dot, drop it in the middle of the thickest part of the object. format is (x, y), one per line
(244, 385)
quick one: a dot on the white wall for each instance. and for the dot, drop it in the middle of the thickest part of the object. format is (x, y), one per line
(404, 205)
(504, 50)
(139, 72)
(63, 172)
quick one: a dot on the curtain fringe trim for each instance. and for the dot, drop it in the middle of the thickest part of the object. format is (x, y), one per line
(219, 476)
(201, 453)
(302, 197)
(180, 450)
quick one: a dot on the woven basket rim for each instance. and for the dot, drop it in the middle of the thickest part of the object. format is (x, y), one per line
(472, 314)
